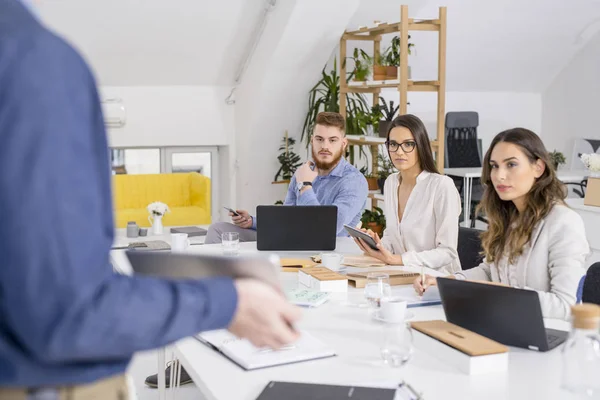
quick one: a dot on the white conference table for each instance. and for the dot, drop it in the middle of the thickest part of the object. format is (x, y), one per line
(468, 174)
(356, 339)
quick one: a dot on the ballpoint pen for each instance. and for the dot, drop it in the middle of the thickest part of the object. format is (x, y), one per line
(423, 278)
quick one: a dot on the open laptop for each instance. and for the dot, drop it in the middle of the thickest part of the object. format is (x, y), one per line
(195, 266)
(289, 228)
(507, 315)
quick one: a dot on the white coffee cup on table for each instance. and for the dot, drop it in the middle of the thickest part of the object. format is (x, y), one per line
(179, 242)
(333, 261)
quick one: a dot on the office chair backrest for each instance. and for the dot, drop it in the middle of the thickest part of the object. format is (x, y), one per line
(469, 247)
(462, 149)
(591, 285)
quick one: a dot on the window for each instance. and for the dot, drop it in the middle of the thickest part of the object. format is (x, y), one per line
(135, 161)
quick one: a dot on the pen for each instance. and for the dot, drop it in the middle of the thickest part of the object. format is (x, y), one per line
(423, 278)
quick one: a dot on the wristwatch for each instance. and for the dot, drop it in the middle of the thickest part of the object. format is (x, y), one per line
(301, 185)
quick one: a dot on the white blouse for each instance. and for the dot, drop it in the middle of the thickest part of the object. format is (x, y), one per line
(428, 233)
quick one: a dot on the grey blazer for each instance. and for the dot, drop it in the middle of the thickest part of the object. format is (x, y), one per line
(552, 263)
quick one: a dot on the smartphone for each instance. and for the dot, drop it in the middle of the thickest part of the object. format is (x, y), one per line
(361, 235)
(232, 211)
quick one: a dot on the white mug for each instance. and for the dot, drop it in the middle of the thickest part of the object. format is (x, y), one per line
(392, 309)
(332, 261)
(179, 242)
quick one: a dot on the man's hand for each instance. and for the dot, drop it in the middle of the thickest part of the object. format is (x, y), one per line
(243, 221)
(305, 174)
(263, 316)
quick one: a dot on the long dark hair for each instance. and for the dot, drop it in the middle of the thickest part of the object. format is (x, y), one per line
(417, 128)
(546, 191)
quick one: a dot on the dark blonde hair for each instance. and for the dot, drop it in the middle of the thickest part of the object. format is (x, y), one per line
(508, 230)
(334, 119)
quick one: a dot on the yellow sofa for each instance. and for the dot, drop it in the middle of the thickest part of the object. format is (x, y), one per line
(187, 195)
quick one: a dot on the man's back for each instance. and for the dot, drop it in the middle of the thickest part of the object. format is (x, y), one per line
(65, 317)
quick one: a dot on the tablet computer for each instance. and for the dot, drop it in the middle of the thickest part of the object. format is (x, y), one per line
(262, 267)
(361, 235)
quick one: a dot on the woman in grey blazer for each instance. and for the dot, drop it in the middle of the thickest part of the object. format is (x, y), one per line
(534, 241)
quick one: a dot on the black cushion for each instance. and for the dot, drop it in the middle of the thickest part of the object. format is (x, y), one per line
(469, 247)
(591, 285)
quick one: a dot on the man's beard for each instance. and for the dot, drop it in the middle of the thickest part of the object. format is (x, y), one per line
(326, 166)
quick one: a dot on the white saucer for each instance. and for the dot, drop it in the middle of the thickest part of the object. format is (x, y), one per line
(407, 316)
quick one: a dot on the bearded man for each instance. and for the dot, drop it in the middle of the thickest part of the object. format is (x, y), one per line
(328, 179)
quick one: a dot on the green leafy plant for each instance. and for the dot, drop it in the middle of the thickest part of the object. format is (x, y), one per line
(288, 160)
(388, 112)
(557, 159)
(279, 203)
(362, 64)
(391, 56)
(374, 220)
(324, 96)
(385, 167)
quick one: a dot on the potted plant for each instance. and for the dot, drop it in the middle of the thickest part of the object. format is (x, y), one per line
(385, 167)
(288, 160)
(374, 220)
(388, 113)
(324, 96)
(379, 67)
(371, 178)
(557, 159)
(362, 65)
(392, 58)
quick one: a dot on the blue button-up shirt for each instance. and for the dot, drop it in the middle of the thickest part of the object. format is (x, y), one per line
(65, 316)
(344, 187)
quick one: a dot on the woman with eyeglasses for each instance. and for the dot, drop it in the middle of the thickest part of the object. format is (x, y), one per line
(422, 207)
(533, 241)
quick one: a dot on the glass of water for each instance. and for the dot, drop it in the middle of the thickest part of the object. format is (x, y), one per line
(377, 288)
(396, 346)
(230, 242)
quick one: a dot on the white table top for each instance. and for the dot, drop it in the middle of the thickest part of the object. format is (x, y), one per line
(578, 205)
(564, 176)
(121, 239)
(356, 338)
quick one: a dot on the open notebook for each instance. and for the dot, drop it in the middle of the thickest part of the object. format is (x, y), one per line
(249, 357)
(431, 297)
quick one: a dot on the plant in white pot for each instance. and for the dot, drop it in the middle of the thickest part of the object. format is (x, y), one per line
(157, 210)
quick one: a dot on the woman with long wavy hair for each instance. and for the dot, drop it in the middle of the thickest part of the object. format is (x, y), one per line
(422, 206)
(534, 241)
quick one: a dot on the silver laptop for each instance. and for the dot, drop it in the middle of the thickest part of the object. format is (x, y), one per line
(263, 267)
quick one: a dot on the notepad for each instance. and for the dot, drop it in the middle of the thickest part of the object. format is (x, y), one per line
(306, 391)
(250, 357)
(431, 297)
(306, 297)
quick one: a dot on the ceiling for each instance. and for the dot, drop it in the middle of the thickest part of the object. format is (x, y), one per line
(506, 45)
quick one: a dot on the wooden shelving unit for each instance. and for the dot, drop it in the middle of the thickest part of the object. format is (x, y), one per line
(403, 84)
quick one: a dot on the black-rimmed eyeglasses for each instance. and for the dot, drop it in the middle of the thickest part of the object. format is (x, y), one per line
(407, 146)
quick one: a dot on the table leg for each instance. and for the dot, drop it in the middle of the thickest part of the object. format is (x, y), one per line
(162, 389)
(469, 186)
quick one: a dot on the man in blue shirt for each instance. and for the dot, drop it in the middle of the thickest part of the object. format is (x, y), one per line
(332, 181)
(65, 317)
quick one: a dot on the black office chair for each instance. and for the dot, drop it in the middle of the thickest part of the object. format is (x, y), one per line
(469, 247)
(591, 285)
(463, 150)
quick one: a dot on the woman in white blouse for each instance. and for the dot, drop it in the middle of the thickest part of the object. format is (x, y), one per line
(534, 241)
(422, 207)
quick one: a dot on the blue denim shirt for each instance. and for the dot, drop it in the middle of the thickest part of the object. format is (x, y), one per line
(65, 316)
(344, 187)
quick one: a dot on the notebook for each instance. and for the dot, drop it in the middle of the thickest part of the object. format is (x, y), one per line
(306, 297)
(431, 297)
(294, 264)
(250, 357)
(190, 230)
(312, 391)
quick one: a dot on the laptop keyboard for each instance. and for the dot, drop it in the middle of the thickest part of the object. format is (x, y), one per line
(552, 339)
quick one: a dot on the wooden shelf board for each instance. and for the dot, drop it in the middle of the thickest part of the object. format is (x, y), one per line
(413, 25)
(365, 140)
(279, 182)
(368, 86)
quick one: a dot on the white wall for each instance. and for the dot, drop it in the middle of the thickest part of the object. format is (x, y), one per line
(571, 103)
(172, 116)
(497, 110)
(273, 97)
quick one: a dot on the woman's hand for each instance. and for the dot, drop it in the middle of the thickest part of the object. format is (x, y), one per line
(382, 254)
(420, 286)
